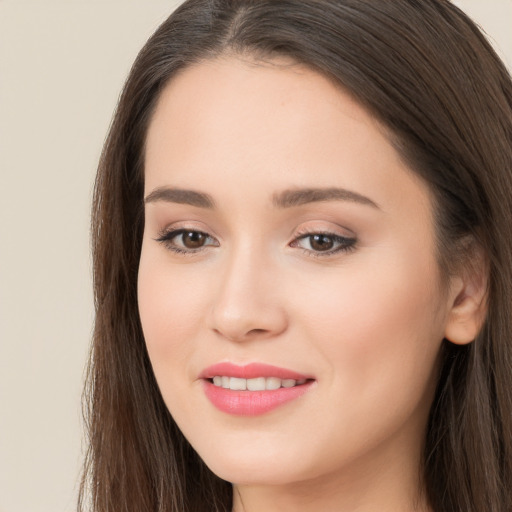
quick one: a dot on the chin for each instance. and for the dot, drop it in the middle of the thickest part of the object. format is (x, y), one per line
(258, 464)
(254, 474)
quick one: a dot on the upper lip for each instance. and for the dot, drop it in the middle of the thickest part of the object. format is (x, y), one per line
(250, 371)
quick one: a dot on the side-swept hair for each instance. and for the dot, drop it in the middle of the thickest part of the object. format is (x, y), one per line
(426, 72)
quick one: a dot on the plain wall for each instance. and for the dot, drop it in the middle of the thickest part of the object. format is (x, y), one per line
(62, 66)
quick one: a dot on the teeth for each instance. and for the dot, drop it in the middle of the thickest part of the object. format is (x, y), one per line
(273, 383)
(237, 384)
(257, 384)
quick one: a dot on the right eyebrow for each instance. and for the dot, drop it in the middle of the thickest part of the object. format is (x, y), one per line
(180, 196)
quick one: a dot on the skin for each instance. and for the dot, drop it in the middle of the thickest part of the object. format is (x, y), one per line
(367, 323)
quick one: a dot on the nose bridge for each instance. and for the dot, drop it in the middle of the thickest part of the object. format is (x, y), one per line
(246, 303)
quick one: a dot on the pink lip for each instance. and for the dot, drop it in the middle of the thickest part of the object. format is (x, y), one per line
(251, 403)
(250, 371)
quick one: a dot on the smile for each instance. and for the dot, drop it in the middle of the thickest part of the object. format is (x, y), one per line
(253, 389)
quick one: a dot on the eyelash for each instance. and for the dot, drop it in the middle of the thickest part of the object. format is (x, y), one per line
(166, 238)
(345, 244)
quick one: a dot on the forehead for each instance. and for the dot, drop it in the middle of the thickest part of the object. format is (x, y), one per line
(271, 125)
(226, 96)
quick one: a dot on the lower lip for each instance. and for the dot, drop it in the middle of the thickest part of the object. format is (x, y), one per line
(252, 403)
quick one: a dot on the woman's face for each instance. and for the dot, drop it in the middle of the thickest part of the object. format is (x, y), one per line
(282, 229)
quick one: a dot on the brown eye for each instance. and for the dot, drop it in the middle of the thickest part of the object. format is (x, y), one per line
(324, 244)
(185, 241)
(193, 239)
(321, 242)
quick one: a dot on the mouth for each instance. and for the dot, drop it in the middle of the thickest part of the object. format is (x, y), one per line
(253, 389)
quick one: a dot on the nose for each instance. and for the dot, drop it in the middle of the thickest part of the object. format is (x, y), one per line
(247, 304)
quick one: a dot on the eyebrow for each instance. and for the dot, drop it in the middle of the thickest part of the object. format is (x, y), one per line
(284, 199)
(181, 196)
(298, 197)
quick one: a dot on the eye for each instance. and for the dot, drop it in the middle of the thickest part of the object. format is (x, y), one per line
(186, 240)
(324, 244)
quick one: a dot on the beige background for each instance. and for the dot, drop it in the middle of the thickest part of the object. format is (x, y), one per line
(62, 65)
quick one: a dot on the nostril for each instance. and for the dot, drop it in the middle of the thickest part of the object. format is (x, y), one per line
(256, 331)
(242, 335)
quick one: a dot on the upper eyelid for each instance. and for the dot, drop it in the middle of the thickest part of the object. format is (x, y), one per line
(327, 231)
(185, 226)
(335, 233)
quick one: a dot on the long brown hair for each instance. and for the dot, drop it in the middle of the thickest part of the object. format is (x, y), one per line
(428, 74)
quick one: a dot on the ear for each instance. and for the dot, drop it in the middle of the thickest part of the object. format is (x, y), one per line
(468, 297)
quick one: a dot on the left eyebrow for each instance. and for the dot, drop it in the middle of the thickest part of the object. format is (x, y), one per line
(301, 196)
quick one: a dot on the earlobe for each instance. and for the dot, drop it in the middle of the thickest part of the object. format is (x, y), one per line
(468, 298)
(465, 320)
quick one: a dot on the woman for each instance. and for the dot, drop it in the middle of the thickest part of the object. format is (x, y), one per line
(303, 265)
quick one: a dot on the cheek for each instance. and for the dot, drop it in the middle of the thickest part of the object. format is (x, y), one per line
(378, 325)
(171, 305)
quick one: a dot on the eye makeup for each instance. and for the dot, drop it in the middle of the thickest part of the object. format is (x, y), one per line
(314, 243)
